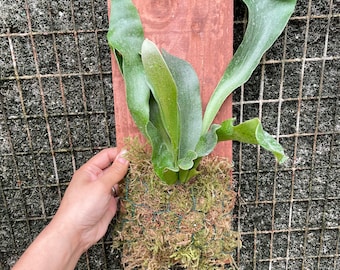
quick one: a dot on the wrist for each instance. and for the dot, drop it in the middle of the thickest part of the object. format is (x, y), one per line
(56, 247)
(65, 233)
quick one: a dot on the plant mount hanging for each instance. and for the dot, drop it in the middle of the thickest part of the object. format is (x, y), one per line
(163, 93)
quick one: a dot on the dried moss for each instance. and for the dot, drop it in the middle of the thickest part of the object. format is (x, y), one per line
(189, 225)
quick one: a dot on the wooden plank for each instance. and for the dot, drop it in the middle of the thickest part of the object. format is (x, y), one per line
(199, 31)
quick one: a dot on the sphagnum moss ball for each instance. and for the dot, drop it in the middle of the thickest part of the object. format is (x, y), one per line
(189, 225)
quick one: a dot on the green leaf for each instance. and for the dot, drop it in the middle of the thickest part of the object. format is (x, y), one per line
(186, 175)
(125, 33)
(189, 106)
(187, 162)
(125, 38)
(175, 87)
(207, 141)
(156, 120)
(162, 157)
(266, 21)
(164, 91)
(252, 132)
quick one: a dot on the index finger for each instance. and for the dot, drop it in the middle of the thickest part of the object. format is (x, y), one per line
(103, 159)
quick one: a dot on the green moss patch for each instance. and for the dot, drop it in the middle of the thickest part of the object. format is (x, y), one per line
(189, 226)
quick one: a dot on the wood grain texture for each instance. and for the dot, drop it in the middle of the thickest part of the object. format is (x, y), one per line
(199, 31)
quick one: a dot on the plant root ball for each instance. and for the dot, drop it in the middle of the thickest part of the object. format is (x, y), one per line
(188, 226)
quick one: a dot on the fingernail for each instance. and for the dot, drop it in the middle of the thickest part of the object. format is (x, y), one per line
(121, 157)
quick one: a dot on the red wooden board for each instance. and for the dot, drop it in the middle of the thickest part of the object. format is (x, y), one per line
(199, 31)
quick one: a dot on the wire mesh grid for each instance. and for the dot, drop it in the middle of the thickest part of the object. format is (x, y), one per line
(289, 215)
(56, 111)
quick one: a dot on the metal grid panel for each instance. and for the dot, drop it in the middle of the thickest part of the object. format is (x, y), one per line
(289, 215)
(56, 111)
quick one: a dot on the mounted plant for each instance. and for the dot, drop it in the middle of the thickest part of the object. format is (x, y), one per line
(163, 96)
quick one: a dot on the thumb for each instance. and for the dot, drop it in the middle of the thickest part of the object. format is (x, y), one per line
(116, 172)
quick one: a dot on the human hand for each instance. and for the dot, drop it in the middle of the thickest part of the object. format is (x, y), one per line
(83, 216)
(88, 205)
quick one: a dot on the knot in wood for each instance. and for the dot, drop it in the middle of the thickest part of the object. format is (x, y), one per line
(197, 26)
